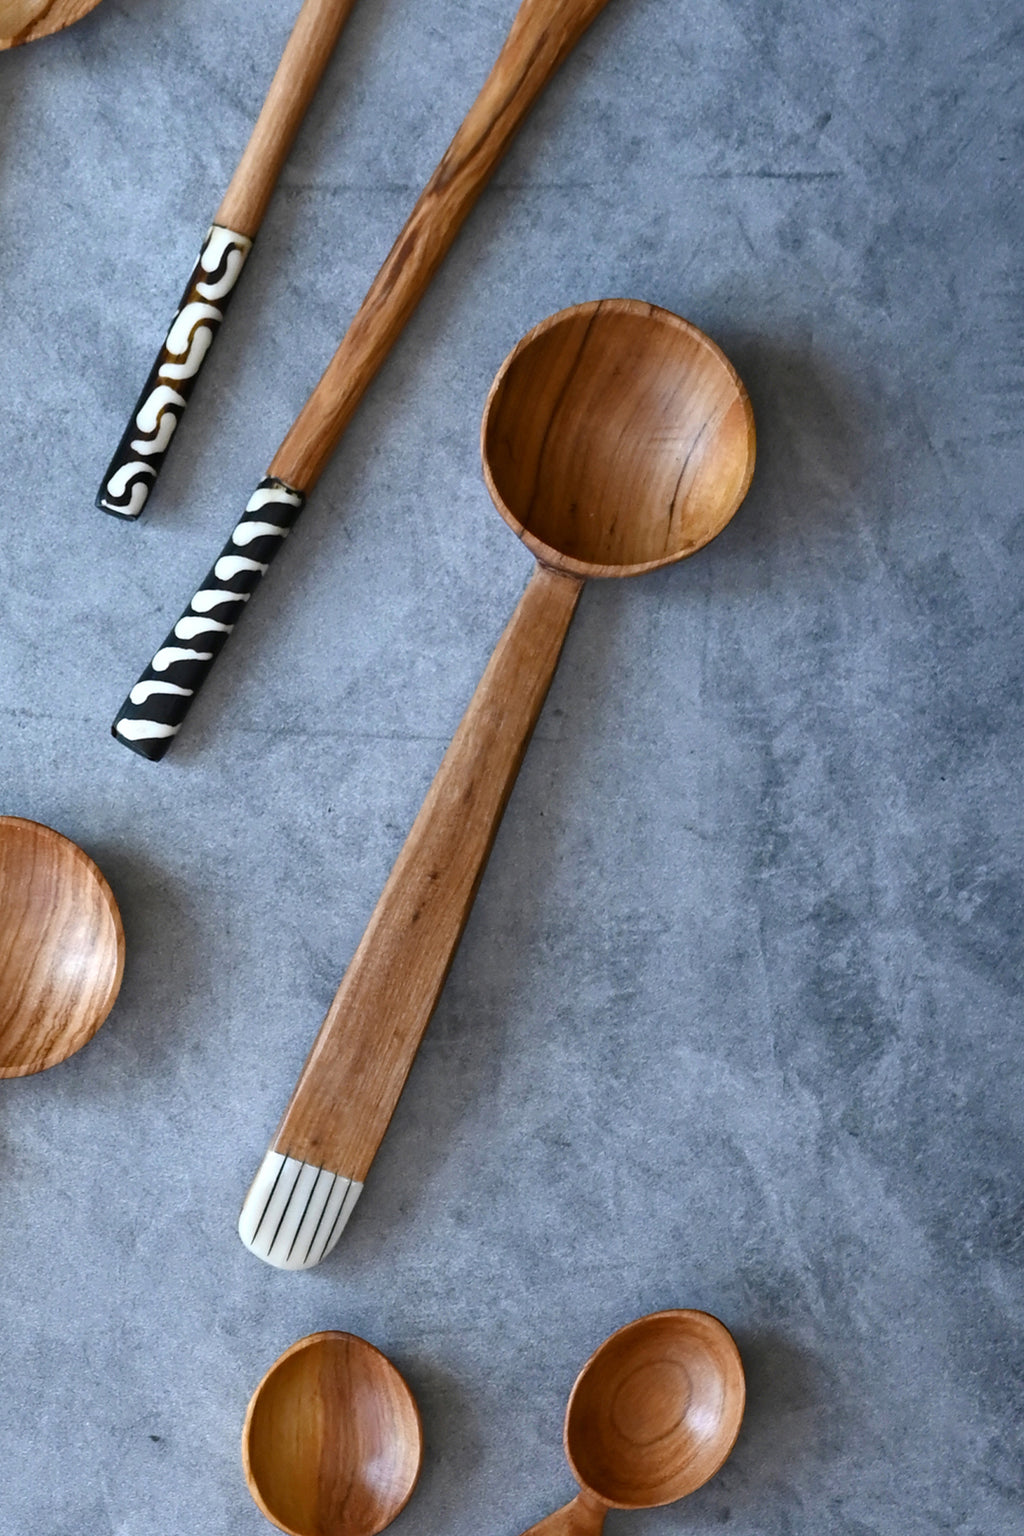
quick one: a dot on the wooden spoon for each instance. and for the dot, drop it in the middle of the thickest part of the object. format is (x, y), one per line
(542, 35)
(332, 1444)
(138, 459)
(61, 947)
(616, 438)
(22, 21)
(653, 1415)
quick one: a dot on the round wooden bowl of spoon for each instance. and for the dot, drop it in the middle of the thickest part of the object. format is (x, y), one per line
(61, 947)
(22, 21)
(616, 438)
(332, 1444)
(653, 1415)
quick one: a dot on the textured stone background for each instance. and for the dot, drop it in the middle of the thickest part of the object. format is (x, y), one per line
(736, 1021)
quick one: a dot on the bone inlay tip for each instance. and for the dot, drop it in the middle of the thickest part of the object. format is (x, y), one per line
(295, 1212)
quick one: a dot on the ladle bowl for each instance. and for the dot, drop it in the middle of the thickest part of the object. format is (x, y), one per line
(652, 1416)
(61, 947)
(332, 1444)
(616, 438)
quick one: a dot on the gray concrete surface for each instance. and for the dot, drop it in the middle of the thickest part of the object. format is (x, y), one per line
(736, 1020)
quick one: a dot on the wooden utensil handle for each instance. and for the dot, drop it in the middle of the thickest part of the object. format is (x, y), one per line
(581, 1517)
(543, 33)
(133, 470)
(152, 714)
(306, 55)
(355, 1073)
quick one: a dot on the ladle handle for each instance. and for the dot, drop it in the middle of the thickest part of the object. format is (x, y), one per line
(355, 1073)
(543, 33)
(581, 1517)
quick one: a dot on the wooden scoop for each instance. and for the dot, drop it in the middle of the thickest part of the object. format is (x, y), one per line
(22, 21)
(332, 1444)
(616, 439)
(653, 1415)
(61, 948)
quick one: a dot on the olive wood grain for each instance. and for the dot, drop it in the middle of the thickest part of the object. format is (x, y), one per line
(23, 21)
(652, 1416)
(372, 1031)
(61, 947)
(543, 33)
(332, 1443)
(306, 54)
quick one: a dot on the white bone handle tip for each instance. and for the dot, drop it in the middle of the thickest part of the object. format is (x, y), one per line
(295, 1212)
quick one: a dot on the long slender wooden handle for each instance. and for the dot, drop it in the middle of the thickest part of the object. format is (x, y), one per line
(306, 54)
(355, 1073)
(139, 456)
(581, 1517)
(543, 34)
(136, 464)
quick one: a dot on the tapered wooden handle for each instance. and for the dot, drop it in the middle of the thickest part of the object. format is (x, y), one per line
(543, 33)
(355, 1073)
(582, 1517)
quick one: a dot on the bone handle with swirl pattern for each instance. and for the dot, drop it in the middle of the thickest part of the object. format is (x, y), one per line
(543, 33)
(133, 470)
(151, 715)
(131, 473)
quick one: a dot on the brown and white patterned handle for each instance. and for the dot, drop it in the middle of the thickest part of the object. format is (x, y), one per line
(152, 714)
(132, 471)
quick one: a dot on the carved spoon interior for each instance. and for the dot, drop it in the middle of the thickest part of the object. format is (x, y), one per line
(653, 1415)
(616, 439)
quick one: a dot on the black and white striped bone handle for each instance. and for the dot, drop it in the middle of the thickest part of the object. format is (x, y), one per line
(152, 714)
(131, 473)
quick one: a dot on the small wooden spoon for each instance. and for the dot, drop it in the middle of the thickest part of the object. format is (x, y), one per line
(653, 1415)
(22, 21)
(616, 439)
(332, 1444)
(61, 947)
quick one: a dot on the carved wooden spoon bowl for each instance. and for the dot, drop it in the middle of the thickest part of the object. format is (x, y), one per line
(653, 1415)
(22, 21)
(332, 1444)
(61, 947)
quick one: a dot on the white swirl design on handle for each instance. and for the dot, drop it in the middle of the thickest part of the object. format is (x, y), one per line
(158, 703)
(295, 1212)
(129, 478)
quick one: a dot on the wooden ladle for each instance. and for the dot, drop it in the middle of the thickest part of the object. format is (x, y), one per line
(653, 1415)
(61, 947)
(332, 1444)
(616, 438)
